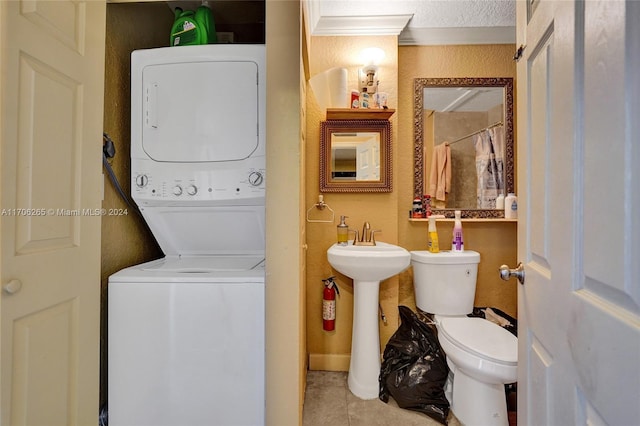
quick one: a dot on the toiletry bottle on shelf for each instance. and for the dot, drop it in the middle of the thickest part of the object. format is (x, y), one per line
(416, 212)
(457, 244)
(343, 232)
(500, 202)
(364, 98)
(511, 206)
(355, 99)
(433, 245)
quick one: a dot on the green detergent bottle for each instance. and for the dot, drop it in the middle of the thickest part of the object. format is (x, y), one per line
(191, 27)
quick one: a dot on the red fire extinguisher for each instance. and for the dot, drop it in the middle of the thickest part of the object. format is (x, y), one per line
(329, 304)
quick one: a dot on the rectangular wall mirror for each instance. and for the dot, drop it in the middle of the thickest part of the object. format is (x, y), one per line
(355, 156)
(469, 122)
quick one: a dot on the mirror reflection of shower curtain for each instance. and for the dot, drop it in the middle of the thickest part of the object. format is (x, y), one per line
(489, 146)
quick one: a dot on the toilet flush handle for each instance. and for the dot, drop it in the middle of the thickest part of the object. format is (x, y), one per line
(506, 273)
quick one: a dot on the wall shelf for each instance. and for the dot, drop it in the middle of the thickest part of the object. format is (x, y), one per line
(471, 219)
(359, 114)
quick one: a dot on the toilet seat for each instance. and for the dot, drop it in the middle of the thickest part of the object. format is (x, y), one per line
(480, 337)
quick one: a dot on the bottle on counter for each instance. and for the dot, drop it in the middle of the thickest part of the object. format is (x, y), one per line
(416, 211)
(364, 99)
(433, 245)
(457, 244)
(511, 206)
(355, 99)
(343, 232)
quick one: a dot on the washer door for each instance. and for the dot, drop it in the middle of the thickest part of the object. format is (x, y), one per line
(200, 111)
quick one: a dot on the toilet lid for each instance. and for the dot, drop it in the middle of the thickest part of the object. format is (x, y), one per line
(481, 337)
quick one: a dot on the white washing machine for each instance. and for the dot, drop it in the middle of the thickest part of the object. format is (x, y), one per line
(186, 333)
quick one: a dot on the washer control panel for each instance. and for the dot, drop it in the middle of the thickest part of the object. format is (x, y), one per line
(221, 184)
(256, 178)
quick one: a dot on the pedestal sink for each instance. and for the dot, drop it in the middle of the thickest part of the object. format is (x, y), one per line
(367, 266)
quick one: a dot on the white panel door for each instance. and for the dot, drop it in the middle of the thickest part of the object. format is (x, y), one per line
(52, 60)
(368, 160)
(579, 204)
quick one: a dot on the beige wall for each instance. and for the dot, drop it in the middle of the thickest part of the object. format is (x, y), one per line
(496, 241)
(284, 313)
(126, 240)
(328, 349)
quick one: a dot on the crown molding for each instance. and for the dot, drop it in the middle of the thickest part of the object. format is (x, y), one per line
(462, 35)
(357, 25)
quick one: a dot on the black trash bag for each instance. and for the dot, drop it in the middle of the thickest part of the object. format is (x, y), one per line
(414, 368)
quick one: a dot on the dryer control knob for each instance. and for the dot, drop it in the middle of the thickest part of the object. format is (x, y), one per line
(255, 178)
(141, 181)
(177, 190)
(192, 190)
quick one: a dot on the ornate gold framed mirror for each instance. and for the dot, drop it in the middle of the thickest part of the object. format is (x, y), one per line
(355, 156)
(463, 114)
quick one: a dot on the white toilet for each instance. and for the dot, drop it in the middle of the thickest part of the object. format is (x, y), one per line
(482, 355)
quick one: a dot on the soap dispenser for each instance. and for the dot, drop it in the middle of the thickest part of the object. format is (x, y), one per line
(343, 232)
(457, 244)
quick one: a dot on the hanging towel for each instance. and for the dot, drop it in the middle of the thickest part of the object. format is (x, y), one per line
(489, 177)
(440, 176)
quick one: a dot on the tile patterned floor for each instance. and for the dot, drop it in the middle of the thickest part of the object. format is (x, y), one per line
(328, 401)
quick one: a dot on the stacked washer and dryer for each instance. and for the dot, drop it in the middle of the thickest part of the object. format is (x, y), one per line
(186, 332)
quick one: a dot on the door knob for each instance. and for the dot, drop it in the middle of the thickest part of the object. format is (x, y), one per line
(506, 273)
(12, 287)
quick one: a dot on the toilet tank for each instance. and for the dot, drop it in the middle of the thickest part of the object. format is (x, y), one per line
(445, 283)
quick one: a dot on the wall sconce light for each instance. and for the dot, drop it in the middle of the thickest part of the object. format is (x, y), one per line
(368, 74)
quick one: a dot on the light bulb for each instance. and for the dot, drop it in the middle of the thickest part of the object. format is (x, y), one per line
(372, 56)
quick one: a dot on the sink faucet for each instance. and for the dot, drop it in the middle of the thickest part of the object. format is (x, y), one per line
(367, 238)
(363, 237)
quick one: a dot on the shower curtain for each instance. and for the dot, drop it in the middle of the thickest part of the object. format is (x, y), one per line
(489, 146)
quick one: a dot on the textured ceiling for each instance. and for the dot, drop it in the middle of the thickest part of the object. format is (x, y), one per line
(416, 21)
(430, 13)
